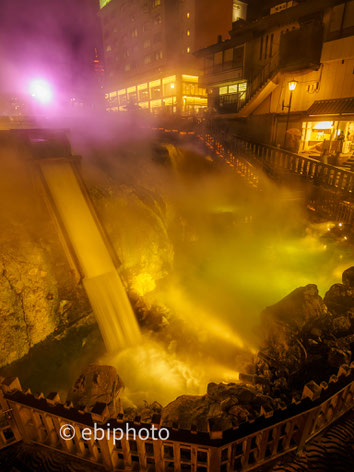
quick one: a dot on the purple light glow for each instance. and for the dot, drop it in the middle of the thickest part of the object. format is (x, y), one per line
(41, 90)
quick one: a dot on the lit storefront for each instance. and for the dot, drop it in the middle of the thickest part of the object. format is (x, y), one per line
(329, 128)
(170, 94)
(229, 97)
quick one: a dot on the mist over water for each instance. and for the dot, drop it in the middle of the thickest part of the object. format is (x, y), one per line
(208, 252)
(202, 252)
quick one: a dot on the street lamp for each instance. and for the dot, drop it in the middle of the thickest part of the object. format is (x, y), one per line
(292, 86)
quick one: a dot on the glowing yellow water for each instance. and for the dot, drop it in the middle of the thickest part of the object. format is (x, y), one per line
(102, 283)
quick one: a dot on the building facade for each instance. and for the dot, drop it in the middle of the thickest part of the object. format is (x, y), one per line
(149, 47)
(293, 68)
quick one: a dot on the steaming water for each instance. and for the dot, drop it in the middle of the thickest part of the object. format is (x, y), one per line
(226, 267)
(103, 285)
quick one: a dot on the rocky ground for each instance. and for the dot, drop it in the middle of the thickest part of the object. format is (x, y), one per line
(46, 320)
(305, 338)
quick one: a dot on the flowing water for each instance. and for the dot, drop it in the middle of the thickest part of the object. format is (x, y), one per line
(103, 285)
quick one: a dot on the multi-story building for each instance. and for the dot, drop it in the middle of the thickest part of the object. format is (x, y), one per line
(285, 76)
(149, 47)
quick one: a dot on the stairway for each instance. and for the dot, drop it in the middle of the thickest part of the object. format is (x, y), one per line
(258, 96)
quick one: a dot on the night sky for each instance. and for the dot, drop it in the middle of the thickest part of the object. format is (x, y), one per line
(55, 38)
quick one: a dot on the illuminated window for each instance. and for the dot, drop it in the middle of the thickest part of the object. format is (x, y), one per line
(132, 97)
(242, 87)
(147, 43)
(188, 15)
(324, 125)
(147, 59)
(158, 55)
(108, 48)
(135, 33)
(188, 50)
(232, 88)
(144, 94)
(156, 3)
(188, 32)
(223, 90)
(157, 20)
(155, 92)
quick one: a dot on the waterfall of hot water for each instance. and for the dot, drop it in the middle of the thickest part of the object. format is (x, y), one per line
(102, 282)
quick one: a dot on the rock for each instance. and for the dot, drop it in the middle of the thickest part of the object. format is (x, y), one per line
(228, 403)
(225, 404)
(246, 395)
(348, 277)
(140, 235)
(148, 411)
(220, 392)
(98, 383)
(295, 309)
(220, 423)
(130, 413)
(187, 410)
(341, 325)
(337, 357)
(28, 297)
(240, 413)
(212, 390)
(339, 298)
(280, 383)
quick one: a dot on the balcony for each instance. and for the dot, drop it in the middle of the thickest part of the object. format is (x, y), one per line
(301, 48)
(220, 73)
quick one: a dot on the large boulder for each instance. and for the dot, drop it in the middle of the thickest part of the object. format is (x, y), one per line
(28, 297)
(188, 410)
(140, 234)
(283, 323)
(224, 406)
(340, 297)
(98, 384)
(348, 277)
(296, 309)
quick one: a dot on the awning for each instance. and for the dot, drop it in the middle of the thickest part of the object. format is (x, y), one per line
(338, 106)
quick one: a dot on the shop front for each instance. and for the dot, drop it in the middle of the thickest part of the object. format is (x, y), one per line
(328, 130)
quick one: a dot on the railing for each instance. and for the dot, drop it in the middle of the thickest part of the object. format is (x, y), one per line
(273, 158)
(36, 419)
(260, 78)
(240, 165)
(225, 66)
(337, 200)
